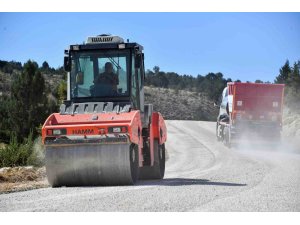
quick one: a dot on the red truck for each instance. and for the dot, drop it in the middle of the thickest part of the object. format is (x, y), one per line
(248, 109)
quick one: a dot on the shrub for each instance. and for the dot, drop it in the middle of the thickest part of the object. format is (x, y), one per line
(22, 154)
(9, 154)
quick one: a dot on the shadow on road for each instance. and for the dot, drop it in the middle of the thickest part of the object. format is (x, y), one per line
(185, 181)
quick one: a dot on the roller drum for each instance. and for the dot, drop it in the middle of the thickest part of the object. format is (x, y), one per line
(90, 165)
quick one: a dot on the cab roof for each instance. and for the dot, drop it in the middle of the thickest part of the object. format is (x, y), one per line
(105, 41)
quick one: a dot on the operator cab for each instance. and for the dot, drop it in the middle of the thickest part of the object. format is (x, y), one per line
(106, 69)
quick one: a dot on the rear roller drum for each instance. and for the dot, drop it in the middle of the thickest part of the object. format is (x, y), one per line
(156, 171)
(90, 165)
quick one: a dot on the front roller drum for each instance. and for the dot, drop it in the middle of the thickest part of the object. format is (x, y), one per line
(91, 165)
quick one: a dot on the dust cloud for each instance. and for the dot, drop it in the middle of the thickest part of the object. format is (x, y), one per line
(38, 154)
(288, 142)
(256, 142)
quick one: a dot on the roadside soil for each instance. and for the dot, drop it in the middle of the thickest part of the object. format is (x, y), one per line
(14, 179)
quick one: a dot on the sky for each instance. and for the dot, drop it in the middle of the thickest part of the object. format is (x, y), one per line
(245, 46)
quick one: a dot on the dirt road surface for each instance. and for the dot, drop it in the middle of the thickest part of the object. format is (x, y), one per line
(201, 175)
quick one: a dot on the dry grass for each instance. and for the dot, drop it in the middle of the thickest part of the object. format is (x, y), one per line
(22, 178)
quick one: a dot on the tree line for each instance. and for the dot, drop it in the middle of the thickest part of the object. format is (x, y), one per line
(211, 84)
(10, 67)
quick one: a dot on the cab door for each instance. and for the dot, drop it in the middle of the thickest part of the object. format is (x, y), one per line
(137, 82)
(224, 103)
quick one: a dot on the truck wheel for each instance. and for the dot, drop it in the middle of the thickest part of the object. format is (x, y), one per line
(156, 171)
(219, 138)
(227, 138)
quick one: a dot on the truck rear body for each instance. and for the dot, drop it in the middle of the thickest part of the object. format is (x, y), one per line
(250, 109)
(256, 107)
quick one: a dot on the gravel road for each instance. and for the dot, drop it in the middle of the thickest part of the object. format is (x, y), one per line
(201, 175)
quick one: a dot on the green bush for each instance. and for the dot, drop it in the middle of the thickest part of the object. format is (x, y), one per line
(9, 154)
(22, 154)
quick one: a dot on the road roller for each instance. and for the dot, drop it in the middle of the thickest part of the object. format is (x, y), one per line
(104, 133)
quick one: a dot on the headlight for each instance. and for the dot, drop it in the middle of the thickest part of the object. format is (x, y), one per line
(56, 132)
(117, 129)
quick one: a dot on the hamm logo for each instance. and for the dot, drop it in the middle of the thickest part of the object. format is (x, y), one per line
(83, 131)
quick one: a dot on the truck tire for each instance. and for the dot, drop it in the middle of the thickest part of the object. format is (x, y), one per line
(227, 138)
(219, 138)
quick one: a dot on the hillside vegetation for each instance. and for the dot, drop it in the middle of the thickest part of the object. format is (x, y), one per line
(181, 104)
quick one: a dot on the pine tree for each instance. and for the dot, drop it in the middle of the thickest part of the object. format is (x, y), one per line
(292, 88)
(45, 65)
(7, 108)
(28, 90)
(156, 69)
(283, 73)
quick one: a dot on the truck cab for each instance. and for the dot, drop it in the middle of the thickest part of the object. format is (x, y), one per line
(224, 110)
